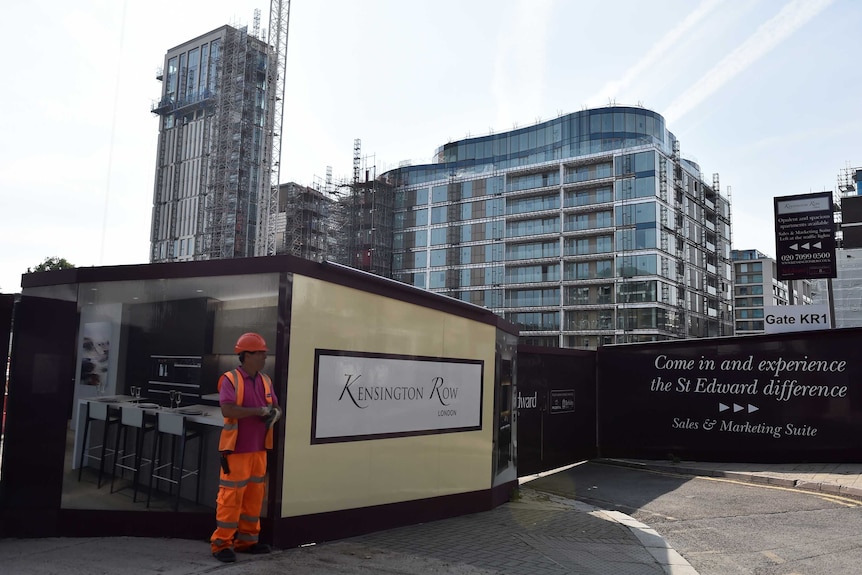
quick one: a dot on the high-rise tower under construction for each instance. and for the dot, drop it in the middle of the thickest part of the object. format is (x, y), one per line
(216, 113)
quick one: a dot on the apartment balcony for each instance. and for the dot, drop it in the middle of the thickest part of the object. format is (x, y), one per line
(182, 106)
(512, 217)
(587, 232)
(598, 182)
(586, 160)
(533, 191)
(587, 208)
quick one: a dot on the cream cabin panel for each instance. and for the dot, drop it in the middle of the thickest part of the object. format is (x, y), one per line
(361, 473)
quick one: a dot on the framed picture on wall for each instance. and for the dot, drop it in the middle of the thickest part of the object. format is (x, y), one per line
(94, 353)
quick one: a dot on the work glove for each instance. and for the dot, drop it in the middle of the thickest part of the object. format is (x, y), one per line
(273, 416)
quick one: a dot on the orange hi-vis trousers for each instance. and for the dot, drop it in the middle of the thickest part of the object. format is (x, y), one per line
(240, 497)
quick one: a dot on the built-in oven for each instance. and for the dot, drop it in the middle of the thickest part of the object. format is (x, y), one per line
(174, 373)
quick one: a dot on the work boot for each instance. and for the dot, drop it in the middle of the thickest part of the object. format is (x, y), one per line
(256, 549)
(226, 555)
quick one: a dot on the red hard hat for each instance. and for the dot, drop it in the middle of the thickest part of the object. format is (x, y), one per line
(250, 342)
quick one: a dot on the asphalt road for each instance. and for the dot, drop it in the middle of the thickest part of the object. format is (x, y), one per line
(723, 527)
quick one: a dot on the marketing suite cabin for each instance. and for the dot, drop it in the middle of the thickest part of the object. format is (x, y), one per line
(401, 405)
(397, 401)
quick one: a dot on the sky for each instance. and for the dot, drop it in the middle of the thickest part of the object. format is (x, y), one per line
(766, 93)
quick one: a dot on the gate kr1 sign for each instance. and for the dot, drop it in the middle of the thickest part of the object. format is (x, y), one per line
(785, 318)
(805, 236)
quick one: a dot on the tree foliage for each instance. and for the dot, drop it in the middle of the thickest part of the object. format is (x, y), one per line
(52, 264)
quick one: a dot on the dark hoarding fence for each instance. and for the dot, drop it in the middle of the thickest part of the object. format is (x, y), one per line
(556, 404)
(785, 397)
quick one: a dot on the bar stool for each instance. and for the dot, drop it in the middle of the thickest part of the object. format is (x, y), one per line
(175, 427)
(109, 416)
(141, 422)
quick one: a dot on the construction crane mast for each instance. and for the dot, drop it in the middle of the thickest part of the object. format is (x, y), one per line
(279, 20)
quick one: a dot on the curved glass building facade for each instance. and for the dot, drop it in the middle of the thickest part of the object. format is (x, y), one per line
(584, 230)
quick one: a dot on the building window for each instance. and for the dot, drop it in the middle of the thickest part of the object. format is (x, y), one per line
(589, 270)
(533, 227)
(587, 246)
(746, 290)
(638, 292)
(585, 173)
(438, 215)
(419, 259)
(588, 197)
(421, 196)
(438, 258)
(640, 265)
(536, 321)
(637, 239)
(533, 297)
(438, 236)
(748, 313)
(437, 280)
(533, 204)
(596, 220)
(493, 253)
(534, 250)
(528, 182)
(749, 278)
(533, 274)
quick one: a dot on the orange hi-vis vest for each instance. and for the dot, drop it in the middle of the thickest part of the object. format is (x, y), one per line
(227, 441)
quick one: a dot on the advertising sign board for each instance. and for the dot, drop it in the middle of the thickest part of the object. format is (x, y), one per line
(562, 401)
(785, 318)
(360, 396)
(780, 396)
(805, 236)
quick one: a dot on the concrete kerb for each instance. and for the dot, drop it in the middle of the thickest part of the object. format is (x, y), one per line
(668, 558)
(760, 478)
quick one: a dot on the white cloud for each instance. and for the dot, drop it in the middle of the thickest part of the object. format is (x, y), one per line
(519, 68)
(792, 16)
(615, 88)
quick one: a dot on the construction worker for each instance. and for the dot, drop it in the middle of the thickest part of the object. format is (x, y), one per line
(250, 409)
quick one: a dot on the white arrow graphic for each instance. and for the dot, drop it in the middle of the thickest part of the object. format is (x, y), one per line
(737, 408)
(794, 247)
(806, 246)
(818, 245)
(722, 407)
(752, 408)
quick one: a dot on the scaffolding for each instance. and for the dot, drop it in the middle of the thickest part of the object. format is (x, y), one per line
(220, 144)
(238, 214)
(306, 210)
(224, 187)
(279, 21)
(359, 218)
(848, 180)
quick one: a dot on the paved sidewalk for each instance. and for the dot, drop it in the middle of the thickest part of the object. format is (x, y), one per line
(539, 534)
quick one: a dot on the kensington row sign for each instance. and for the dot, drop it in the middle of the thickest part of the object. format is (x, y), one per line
(360, 396)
